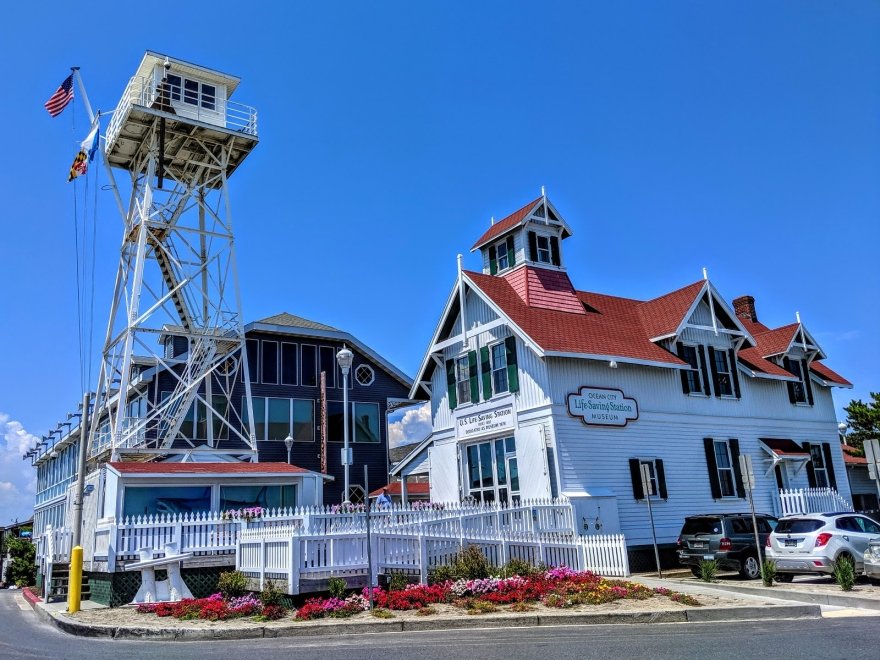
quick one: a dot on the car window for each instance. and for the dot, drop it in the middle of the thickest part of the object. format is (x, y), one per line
(702, 525)
(868, 526)
(771, 523)
(764, 526)
(798, 526)
(741, 526)
(847, 524)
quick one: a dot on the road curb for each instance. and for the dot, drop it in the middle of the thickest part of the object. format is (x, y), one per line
(689, 615)
(784, 594)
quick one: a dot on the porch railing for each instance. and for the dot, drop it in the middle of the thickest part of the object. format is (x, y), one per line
(810, 500)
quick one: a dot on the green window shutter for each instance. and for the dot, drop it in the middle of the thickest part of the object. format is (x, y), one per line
(512, 371)
(450, 384)
(493, 260)
(511, 253)
(472, 373)
(486, 369)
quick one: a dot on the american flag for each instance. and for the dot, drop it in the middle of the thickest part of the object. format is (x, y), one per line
(62, 96)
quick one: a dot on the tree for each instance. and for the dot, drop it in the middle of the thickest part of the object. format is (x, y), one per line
(22, 570)
(863, 420)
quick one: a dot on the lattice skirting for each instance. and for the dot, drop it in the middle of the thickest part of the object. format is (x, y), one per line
(641, 557)
(115, 589)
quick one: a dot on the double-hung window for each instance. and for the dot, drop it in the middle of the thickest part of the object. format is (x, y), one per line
(724, 465)
(724, 380)
(543, 243)
(499, 368)
(463, 379)
(694, 383)
(798, 390)
(503, 257)
(820, 470)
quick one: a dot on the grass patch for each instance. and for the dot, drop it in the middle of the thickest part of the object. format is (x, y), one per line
(426, 611)
(380, 613)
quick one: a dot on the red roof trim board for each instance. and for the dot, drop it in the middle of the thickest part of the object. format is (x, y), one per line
(761, 367)
(828, 375)
(508, 223)
(664, 315)
(202, 469)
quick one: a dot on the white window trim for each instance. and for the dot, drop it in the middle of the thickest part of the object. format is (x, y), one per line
(803, 383)
(492, 369)
(467, 380)
(317, 363)
(263, 342)
(653, 463)
(824, 468)
(498, 246)
(314, 421)
(718, 468)
(538, 237)
(700, 353)
(351, 428)
(372, 375)
(333, 368)
(281, 363)
(466, 478)
(729, 373)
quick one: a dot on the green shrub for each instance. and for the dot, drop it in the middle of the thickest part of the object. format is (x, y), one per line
(471, 564)
(844, 572)
(481, 607)
(271, 594)
(520, 567)
(768, 572)
(441, 574)
(337, 587)
(379, 613)
(708, 570)
(397, 582)
(426, 611)
(22, 570)
(232, 584)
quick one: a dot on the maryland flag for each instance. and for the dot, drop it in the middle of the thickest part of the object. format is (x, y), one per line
(86, 154)
(80, 166)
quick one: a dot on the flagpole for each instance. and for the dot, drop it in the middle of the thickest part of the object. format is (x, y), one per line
(82, 90)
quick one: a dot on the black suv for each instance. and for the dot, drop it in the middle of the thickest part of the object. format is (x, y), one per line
(728, 538)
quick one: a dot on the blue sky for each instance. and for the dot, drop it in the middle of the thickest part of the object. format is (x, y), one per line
(744, 137)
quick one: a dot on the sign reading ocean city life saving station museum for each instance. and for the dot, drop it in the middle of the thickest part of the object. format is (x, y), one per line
(603, 407)
(480, 423)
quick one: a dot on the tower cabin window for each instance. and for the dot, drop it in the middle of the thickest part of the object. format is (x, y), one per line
(192, 92)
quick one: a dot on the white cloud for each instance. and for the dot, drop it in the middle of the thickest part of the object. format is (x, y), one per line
(18, 479)
(413, 425)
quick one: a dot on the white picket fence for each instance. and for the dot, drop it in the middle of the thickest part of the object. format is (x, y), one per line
(209, 533)
(289, 555)
(811, 500)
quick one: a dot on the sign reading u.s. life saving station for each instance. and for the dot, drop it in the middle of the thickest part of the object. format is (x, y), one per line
(492, 421)
(602, 407)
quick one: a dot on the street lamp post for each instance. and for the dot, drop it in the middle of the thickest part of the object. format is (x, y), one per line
(288, 442)
(841, 428)
(344, 357)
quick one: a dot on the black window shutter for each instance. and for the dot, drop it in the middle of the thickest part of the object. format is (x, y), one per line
(512, 369)
(714, 368)
(811, 473)
(554, 251)
(474, 376)
(661, 479)
(734, 372)
(511, 252)
(533, 246)
(493, 260)
(829, 465)
(636, 476)
(685, 387)
(701, 358)
(486, 369)
(714, 484)
(737, 472)
(805, 373)
(450, 384)
(786, 364)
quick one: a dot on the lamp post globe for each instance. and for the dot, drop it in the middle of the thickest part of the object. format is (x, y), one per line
(288, 442)
(841, 428)
(344, 358)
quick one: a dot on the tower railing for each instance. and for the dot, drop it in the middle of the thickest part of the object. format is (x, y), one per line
(144, 92)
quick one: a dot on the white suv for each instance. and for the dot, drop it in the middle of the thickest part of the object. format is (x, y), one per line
(811, 543)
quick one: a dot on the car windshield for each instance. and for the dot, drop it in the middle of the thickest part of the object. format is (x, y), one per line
(798, 526)
(702, 525)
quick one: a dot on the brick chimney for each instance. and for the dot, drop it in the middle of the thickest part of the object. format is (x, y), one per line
(744, 306)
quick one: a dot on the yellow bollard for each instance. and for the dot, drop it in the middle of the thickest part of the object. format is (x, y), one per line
(74, 584)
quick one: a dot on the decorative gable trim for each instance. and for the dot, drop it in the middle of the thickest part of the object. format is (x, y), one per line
(710, 293)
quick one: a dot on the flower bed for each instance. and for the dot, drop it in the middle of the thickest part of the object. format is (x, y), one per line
(215, 608)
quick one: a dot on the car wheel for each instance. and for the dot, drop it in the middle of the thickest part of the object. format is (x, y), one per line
(751, 569)
(696, 571)
(784, 578)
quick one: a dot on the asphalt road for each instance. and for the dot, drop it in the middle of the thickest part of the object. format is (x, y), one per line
(22, 635)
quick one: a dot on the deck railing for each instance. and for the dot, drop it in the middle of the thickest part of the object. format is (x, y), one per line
(810, 500)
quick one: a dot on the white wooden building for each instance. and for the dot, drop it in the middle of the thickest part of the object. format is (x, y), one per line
(539, 390)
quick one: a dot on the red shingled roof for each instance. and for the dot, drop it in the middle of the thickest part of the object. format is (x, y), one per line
(662, 316)
(396, 489)
(752, 358)
(828, 374)
(782, 447)
(615, 329)
(506, 224)
(772, 342)
(206, 468)
(850, 456)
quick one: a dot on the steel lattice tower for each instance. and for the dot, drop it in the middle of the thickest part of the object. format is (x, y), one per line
(179, 138)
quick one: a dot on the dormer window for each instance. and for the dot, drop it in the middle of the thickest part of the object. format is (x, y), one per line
(721, 369)
(800, 392)
(543, 249)
(502, 256)
(691, 378)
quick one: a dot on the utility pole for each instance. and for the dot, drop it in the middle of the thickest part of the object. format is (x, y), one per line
(74, 585)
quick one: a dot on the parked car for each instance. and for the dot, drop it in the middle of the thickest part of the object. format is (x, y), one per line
(728, 538)
(872, 560)
(811, 543)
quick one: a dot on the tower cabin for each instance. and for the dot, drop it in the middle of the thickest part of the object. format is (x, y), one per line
(193, 105)
(525, 249)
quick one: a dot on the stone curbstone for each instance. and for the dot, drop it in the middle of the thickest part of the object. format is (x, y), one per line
(754, 613)
(597, 619)
(474, 621)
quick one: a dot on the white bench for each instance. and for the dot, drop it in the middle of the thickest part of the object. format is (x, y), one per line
(170, 590)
